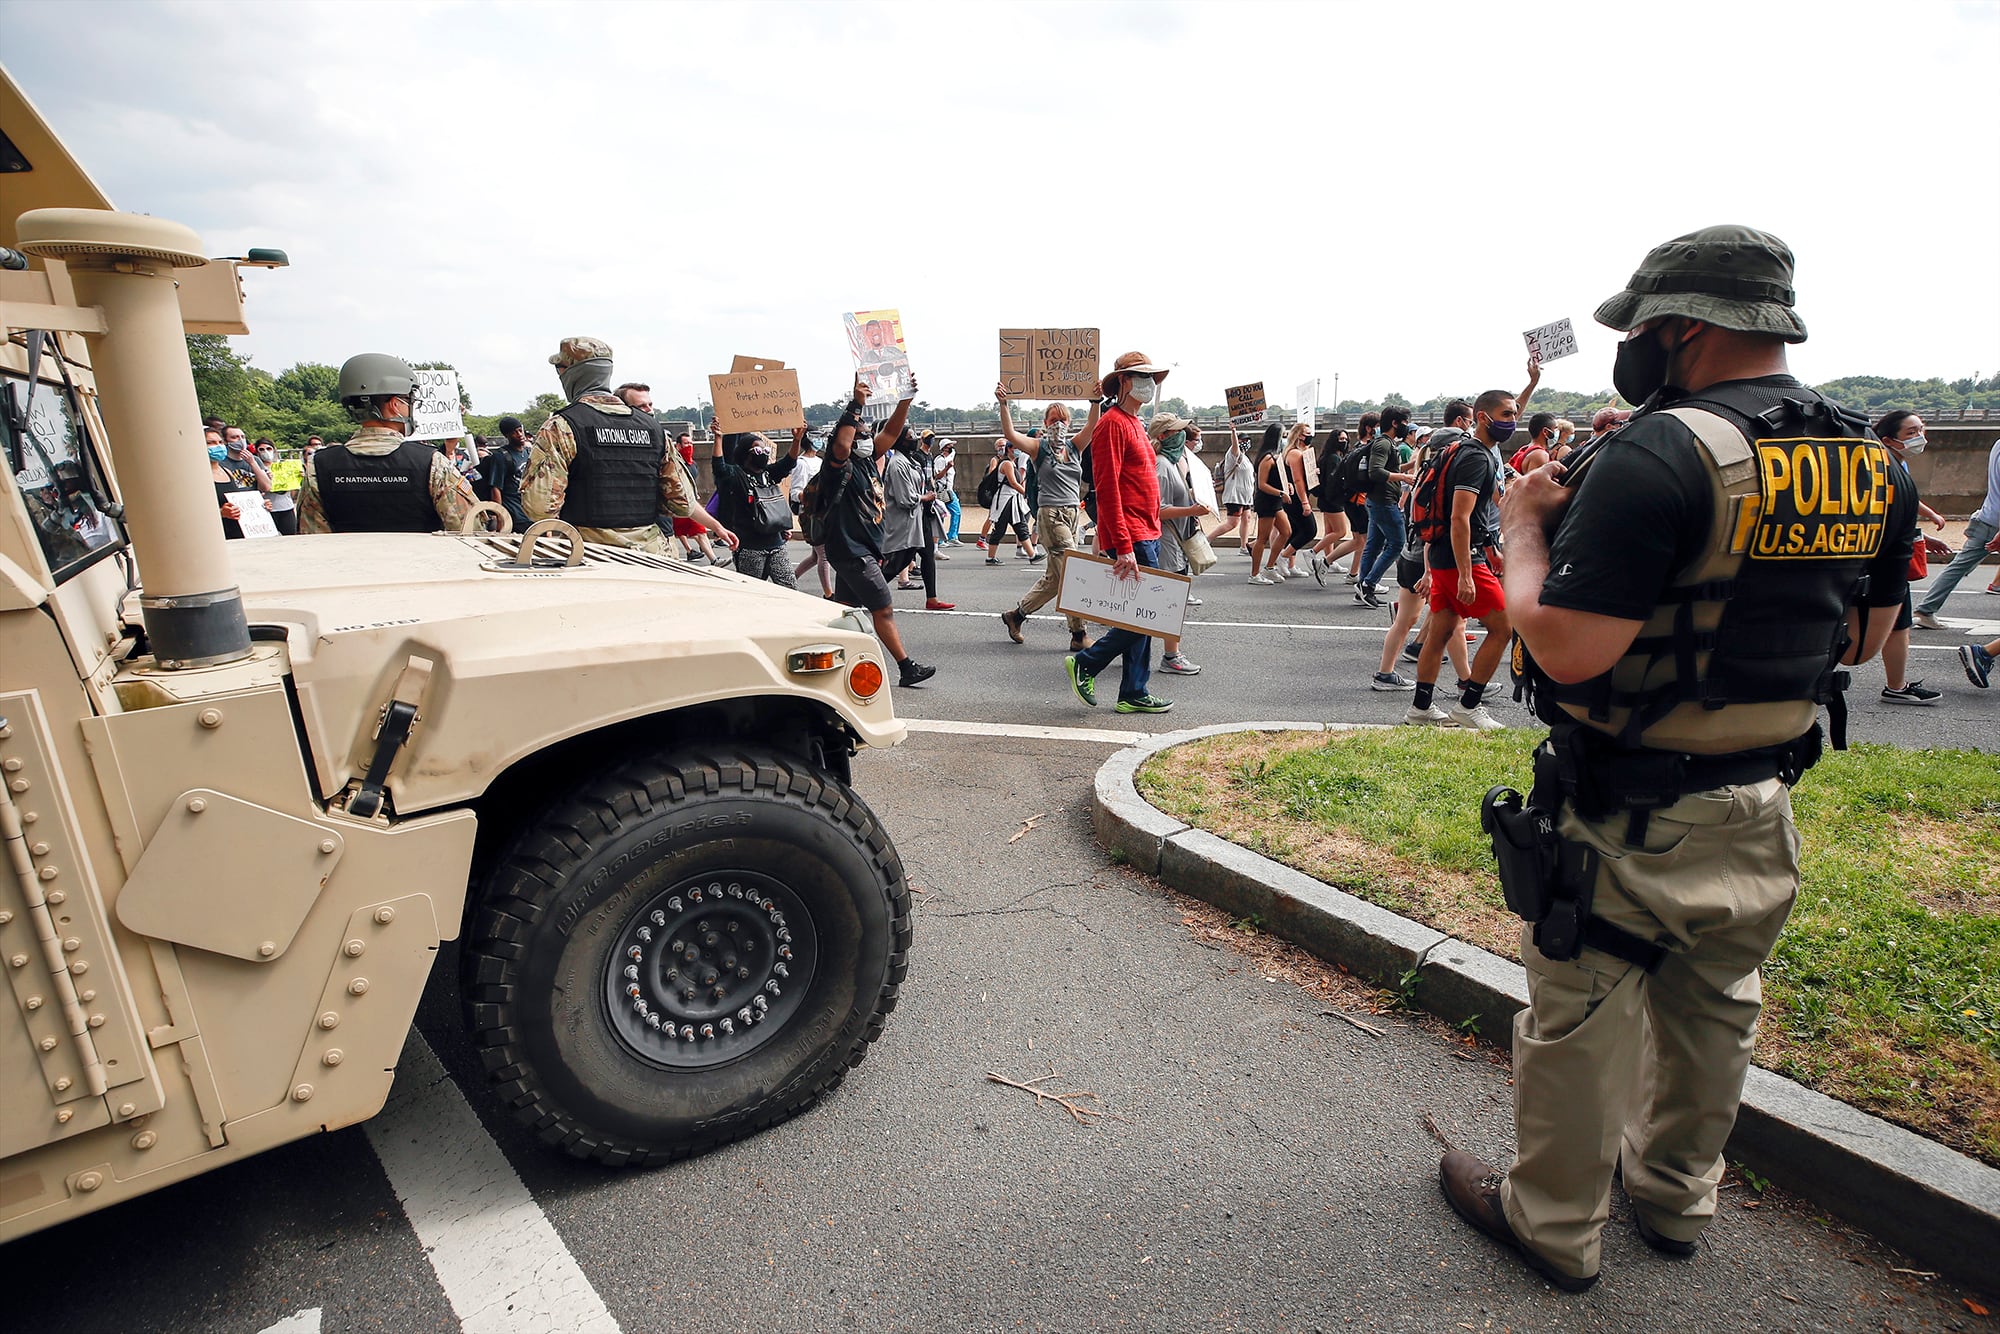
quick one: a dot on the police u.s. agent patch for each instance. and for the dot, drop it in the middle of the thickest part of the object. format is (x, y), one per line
(1817, 499)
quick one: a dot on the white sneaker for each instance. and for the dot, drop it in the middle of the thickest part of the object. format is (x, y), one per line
(1260, 579)
(1431, 717)
(1277, 573)
(1475, 718)
(1927, 621)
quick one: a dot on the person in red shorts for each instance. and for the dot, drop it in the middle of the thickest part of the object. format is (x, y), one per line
(1463, 587)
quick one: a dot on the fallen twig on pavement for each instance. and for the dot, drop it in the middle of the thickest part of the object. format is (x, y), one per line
(1026, 825)
(1430, 1124)
(1369, 1029)
(1069, 1102)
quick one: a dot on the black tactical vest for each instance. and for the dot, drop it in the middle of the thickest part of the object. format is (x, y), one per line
(614, 480)
(377, 493)
(1745, 645)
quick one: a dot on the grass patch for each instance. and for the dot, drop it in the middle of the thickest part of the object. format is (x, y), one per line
(1883, 991)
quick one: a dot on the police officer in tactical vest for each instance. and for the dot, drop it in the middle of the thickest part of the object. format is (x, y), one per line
(1684, 595)
(603, 465)
(381, 481)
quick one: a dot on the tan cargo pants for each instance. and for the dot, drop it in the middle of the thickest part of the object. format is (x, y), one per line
(1615, 1066)
(1055, 529)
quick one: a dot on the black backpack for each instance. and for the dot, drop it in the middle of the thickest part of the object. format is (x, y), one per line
(766, 511)
(818, 506)
(989, 485)
(1350, 478)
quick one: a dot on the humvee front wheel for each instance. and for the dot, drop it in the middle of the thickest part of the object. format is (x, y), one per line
(682, 952)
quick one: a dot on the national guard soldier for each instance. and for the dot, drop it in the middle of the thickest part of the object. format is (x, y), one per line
(603, 466)
(381, 481)
(1684, 595)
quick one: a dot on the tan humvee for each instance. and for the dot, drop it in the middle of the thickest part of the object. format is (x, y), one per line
(247, 788)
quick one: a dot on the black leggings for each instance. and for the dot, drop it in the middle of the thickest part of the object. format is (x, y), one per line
(925, 557)
(1305, 528)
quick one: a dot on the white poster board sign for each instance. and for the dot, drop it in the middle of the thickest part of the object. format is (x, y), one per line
(252, 517)
(1308, 402)
(1201, 486)
(436, 408)
(1154, 604)
(1551, 340)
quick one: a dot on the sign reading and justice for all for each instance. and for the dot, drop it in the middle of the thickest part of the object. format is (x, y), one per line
(1056, 364)
(1155, 603)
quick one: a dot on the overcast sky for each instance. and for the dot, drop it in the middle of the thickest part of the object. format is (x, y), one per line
(1389, 192)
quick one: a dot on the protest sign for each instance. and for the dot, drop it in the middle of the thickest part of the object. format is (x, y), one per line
(875, 340)
(1246, 404)
(757, 400)
(287, 475)
(1200, 485)
(1551, 341)
(1308, 402)
(435, 407)
(252, 517)
(756, 364)
(1056, 364)
(1155, 603)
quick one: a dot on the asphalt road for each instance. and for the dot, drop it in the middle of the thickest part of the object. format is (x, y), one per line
(1263, 1165)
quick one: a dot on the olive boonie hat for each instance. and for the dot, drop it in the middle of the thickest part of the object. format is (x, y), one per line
(1732, 277)
(578, 349)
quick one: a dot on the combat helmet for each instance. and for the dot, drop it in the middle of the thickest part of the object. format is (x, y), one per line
(370, 380)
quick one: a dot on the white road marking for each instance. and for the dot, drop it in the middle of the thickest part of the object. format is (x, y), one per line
(499, 1260)
(305, 1322)
(1026, 732)
(1192, 625)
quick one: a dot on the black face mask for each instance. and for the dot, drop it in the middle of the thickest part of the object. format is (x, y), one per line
(1641, 367)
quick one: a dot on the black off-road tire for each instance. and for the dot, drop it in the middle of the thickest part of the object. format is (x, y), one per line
(787, 855)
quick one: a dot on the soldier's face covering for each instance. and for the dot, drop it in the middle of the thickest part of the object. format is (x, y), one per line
(585, 376)
(1645, 361)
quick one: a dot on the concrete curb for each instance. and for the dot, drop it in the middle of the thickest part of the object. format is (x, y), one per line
(1938, 1206)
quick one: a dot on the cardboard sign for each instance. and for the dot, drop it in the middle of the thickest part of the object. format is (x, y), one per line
(875, 340)
(766, 400)
(252, 517)
(1153, 604)
(435, 410)
(287, 475)
(756, 364)
(1246, 404)
(1551, 340)
(1308, 402)
(1056, 364)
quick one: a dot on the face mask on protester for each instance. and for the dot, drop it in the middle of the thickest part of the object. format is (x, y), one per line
(1142, 388)
(865, 448)
(235, 447)
(218, 452)
(760, 455)
(1499, 430)
(1913, 446)
(1642, 367)
(1172, 445)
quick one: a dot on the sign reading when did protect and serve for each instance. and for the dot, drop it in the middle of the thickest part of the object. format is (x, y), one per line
(757, 400)
(1246, 404)
(1057, 364)
(1551, 340)
(1155, 603)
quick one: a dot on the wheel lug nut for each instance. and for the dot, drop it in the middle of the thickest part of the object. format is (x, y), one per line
(781, 970)
(690, 954)
(717, 994)
(731, 928)
(771, 987)
(708, 1030)
(646, 933)
(673, 974)
(729, 963)
(728, 1027)
(632, 971)
(675, 903)
(635, 954)
(742, 974)
(632, 990)
(711, 939)
(659, 918)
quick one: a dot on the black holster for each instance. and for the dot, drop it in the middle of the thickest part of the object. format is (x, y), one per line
(1548, 880)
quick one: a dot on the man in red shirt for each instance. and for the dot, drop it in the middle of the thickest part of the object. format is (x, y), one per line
(1124, 473)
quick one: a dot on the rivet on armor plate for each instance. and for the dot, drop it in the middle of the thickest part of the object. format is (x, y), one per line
(12, 766)
(197, 806)
(80, 967)
(358, 987)
(268, 948)
(48, 873)
(327, 845)
(90, 1181)
(354, 949)
(87, 995)
(63, 1116)
(71, 945)
(334, 1056)
(56, 896)
(95, 1021)
(19, 785)
(329, 1020)
(383, 916)
(47, 1044)
(5, 917)
(127, 1109)
(40, 849)
(33, 1002)
(210, 718)
(145, 1139)
(303, 1093)
(18, 960)
(62, 1085)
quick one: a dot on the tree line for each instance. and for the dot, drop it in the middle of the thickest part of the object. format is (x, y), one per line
(301, 400)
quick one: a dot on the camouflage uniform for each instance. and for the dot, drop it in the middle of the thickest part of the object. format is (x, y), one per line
(449, 491)
(547, 478)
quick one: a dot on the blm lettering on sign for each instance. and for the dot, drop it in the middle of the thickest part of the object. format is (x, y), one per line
(1819, 500)
(1246, 404)
(765, 401)
(1055, 364)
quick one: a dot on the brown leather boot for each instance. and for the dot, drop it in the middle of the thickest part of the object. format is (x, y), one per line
(1013, 620)
(1472, 1188)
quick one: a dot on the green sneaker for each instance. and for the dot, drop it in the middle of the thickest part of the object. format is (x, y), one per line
(1085, 688)
(1145, 704)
